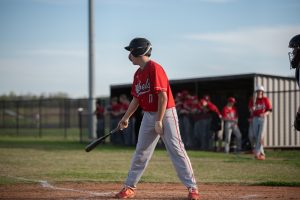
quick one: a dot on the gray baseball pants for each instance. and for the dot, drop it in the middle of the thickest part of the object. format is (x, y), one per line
(258, 124)
(229, 128)
(146, 144)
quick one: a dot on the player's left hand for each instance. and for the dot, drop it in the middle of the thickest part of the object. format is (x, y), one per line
(159, 127)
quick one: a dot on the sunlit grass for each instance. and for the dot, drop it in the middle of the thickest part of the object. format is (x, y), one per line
(54, 160)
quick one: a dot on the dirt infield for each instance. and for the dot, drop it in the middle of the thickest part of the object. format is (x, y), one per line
(86, 191)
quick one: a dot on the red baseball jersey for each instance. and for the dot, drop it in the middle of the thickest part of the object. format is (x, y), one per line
(204, 112)
(116, 109)
(229, 113)
(124, 107)
(188, 105)
(99, 111)
(213, 108)
(261, 106)
(147, 83)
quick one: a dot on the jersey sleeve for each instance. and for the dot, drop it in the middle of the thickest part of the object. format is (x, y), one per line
(268, 104)
(213, 108)
(224, 114)
(159, 79)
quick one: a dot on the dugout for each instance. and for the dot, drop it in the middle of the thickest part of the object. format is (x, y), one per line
(282, 91)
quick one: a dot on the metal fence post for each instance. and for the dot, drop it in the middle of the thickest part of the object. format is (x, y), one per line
(64, 117)
(3, 114)
(80, 110)
(17, 117)
(40, 117)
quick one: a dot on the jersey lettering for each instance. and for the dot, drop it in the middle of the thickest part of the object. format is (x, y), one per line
(148, 83)
(260, 107)
(142, 88)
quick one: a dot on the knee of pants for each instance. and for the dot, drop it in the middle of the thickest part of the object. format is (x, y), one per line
(238, 136)
(227, 138)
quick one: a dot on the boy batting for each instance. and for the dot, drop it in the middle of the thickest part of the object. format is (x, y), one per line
(151, 91)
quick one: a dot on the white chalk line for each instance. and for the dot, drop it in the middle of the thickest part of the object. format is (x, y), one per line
(45, 184)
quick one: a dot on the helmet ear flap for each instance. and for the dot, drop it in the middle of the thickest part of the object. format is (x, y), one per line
(135, 53)
(141, 51)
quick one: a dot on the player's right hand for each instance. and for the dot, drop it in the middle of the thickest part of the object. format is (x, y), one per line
(123, 123)
(159, 127)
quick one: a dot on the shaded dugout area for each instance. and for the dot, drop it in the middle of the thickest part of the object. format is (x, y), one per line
(282, 91)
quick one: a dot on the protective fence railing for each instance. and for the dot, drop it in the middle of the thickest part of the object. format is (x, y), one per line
(44, 117)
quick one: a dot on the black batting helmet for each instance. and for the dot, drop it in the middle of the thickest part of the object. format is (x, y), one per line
(295, 54)
(139, 47)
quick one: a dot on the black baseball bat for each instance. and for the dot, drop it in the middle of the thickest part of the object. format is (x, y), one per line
(94, 143)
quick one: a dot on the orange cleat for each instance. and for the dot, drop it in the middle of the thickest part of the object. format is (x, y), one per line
(193, 194)
(126, 193)
(260, 157)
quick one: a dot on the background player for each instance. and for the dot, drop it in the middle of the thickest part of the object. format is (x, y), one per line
(295, 64)
(259, 107)
(230, 118)
(202, 127)
(99, 112)
(151, 91)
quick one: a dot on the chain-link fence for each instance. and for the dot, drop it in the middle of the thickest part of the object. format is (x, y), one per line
(60, 118)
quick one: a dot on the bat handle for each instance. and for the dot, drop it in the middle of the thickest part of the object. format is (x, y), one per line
(115, 130)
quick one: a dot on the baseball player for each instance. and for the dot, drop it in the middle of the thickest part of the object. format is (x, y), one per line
(294, 57)
(260, 107)
(99, 112)
(216, 126)
(183, 118)
(151, 91)
(188, 122)
(115, 116)
(202, 128)
(128, 135)
(230, 117)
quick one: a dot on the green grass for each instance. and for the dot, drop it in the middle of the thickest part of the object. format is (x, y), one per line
(65, 160)
(44, 133)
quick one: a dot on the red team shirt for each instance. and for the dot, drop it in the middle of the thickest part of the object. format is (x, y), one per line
(147, 83)
(99, 111)
(261, 106)
(116, 109)
(229, 113)
(204, 111)
(213, 108)
(124, 107)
